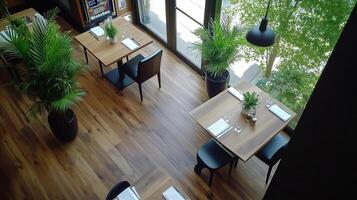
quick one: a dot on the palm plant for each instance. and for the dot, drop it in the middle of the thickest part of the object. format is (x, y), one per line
(219, 46)
(251, 100)
(50, 68)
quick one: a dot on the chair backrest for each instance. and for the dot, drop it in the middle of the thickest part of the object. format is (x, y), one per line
(150, 66)
(278, 154)
(117, 189)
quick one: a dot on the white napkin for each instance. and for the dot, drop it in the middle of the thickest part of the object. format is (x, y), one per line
(127, 194)
(219, 127)
(97, 31)
(129, 43)
(236, 93)
(282, 114)
(172, 194)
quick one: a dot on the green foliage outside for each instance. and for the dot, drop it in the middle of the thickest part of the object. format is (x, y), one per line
(50, 68)
(220, 46)
(251, 100)
(110, 30)
(306, 31)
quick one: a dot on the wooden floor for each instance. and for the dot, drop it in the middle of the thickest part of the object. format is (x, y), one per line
(119, 138)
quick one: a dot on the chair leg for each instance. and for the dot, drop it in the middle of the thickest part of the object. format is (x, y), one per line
(199, 166)
(141, 93)
(267, 179)
(159, 79)
(235, 166)
(198, 169)
(211, 178)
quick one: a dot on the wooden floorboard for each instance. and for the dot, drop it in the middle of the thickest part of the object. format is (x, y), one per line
(119, 138)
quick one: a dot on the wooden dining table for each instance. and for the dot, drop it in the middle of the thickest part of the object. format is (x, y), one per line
(108, 54)
(30, 13)
(251, 137)
(152, 185)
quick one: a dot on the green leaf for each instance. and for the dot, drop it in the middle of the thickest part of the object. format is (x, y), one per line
(71, 99)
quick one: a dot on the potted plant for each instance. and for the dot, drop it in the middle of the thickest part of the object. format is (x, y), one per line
(250, 102)
(219, 48)
(111, 32)
(50, 72)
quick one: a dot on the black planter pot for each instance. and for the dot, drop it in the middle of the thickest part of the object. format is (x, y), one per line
(216, 85)
(63, 126)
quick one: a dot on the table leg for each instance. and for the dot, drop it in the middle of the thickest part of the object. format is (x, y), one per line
(117, 76)
(121, 71)
(101, 68)
(85, 54)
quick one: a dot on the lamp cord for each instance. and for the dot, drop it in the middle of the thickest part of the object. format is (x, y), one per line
(266, 13)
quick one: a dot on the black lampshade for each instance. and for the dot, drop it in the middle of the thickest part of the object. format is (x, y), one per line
(261, 35)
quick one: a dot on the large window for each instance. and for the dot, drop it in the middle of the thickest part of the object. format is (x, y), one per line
(176, 25)
(153, 16)
(189, 17)
(306, 31)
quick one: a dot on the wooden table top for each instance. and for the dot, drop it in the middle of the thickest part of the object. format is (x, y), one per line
(110, 53)
(252, 137)
(153, 184)
(30, 12)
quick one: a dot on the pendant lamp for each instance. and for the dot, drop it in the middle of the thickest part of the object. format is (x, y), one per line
(261, 35)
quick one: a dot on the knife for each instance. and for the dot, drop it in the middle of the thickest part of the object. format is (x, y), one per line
(136, 42)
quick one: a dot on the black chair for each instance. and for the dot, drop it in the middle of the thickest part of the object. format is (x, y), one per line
(117, 189)
(271, 153)
(140, 69)
(212, 156)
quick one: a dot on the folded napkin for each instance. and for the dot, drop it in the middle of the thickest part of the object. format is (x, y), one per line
(172, 194)
(219, 127)
(128, 42)
(97, 31)
(279, 112)
(236, 93)
(127, 194)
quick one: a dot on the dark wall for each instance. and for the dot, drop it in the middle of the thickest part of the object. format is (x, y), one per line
(15, 3)
(321, 159)
(39, 5)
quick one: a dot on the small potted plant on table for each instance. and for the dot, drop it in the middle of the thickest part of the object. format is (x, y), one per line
(111, 32)
(250, 102)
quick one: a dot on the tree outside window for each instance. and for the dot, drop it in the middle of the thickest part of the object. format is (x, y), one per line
(306, 33)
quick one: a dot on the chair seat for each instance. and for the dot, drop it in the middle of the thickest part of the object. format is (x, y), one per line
(269, 150)
(213, 155)
(131, 67)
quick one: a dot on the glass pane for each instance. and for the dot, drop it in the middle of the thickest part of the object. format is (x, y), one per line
(153, 16)
(194, 8)
(185, 38)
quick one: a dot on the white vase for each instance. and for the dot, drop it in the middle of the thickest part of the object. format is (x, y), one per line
(113, 40)
(249, 112)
